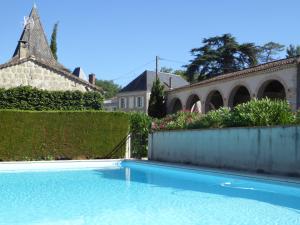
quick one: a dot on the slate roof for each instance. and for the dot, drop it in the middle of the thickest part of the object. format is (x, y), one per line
(34, 37)
(144, 81)
(78, 72)
(39, 52)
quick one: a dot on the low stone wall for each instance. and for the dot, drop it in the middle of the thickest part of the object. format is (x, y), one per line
(264, 149)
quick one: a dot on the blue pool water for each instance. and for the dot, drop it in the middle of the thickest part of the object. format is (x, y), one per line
(138, 194)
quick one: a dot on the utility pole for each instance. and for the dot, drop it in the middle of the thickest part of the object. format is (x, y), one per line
(156, 68)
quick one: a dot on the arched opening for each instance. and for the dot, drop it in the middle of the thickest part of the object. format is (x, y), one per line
(272, 89)
(213, 101)
(176, 106)
(238, 95)
(193, 104)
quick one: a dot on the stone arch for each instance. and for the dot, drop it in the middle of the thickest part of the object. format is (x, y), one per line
(273, 89)
(193, 103)
(213, 101)
(239, 94)
(176, 105)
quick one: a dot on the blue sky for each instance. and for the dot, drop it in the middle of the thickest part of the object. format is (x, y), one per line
(116, 38)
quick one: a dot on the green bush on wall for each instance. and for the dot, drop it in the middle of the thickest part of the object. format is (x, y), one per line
(264, 112)
(27, 135)
(29, 98)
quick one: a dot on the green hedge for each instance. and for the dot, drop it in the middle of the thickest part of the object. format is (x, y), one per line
(140, 126)
(27, 135)
(28, 98)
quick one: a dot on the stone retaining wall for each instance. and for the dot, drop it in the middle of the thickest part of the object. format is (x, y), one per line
(266, 149)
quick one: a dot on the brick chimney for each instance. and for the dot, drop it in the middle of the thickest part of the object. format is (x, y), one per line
(92, 78)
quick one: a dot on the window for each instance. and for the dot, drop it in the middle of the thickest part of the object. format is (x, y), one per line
(123, 103)
(139, 102)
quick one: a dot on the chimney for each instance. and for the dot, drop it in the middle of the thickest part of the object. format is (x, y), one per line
(170, 82)
(92, 78)
(23, 50)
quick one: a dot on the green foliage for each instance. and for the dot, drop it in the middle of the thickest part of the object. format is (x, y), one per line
(181, 73)
(166, 70)
(214, 119)
(220, 54)
(269, 51)
(140, 125)
(292, 51)
(109, 87)
(157, 104)
(28, 98)
(263, 112)
(180, 120)
(27, 135)
(53, 44)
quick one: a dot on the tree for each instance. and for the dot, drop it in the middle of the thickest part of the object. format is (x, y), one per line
(157, 107)
(109, 87)
(220, 54)
(166, 70)
(53, 44)
(181, 73)
(269, 51)
(292, 51)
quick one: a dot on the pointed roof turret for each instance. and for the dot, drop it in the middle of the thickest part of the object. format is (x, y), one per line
(33, 41)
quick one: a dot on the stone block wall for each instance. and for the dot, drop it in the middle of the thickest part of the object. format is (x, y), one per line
(32, 74)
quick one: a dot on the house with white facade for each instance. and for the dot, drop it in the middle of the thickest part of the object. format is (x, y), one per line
(136, 95)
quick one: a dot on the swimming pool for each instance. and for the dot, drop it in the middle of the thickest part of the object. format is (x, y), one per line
(135, 193)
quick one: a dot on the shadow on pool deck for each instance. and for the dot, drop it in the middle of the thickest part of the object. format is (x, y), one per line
(231, 187)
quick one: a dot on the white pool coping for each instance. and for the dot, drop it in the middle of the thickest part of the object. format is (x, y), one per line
(21, 166)
(58, 165)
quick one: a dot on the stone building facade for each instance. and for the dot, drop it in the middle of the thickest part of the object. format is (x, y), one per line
(276, 80)
(33, 64)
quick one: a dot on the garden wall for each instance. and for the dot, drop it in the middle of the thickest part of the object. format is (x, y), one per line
(27, 135)
(264, 149)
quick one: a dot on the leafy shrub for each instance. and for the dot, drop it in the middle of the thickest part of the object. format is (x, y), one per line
(180, 120)
(213, 119)
(27, 135)
(140, 125)
(263, 112)
(28, 98)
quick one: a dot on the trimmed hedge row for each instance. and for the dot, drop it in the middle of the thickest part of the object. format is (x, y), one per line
(29, 98)
(27, 135)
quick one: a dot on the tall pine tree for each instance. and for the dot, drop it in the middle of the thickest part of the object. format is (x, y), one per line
(157, 107)
(53, 45)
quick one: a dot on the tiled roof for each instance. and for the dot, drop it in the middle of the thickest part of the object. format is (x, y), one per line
(144, 81)
(245, 72)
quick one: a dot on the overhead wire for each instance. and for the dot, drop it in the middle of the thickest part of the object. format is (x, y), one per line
(131, 71)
